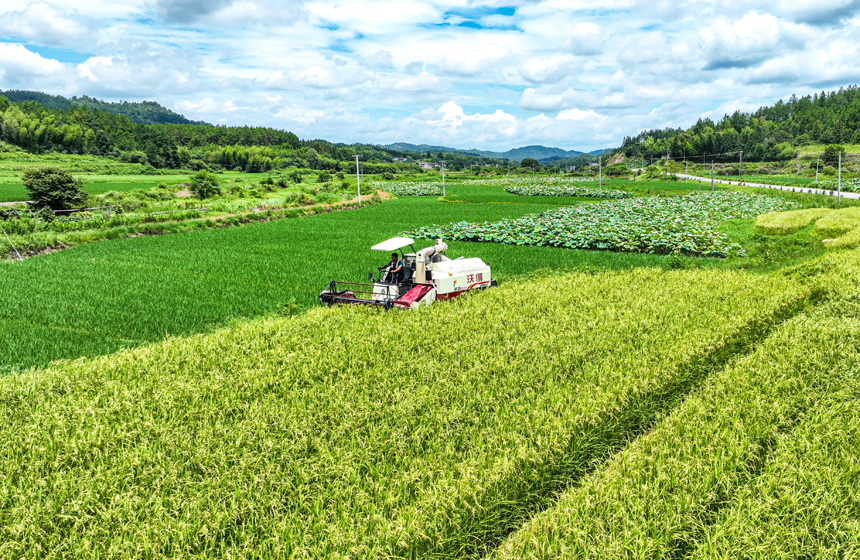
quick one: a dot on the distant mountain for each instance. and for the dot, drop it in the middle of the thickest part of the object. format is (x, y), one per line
(147, 112)
(540, 153)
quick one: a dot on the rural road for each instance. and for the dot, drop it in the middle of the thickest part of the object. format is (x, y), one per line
(854, 196)
(14, 203)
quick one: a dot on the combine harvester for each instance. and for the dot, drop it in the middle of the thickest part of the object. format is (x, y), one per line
(429, 275)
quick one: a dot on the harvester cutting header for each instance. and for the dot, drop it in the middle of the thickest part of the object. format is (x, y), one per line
(412, 279)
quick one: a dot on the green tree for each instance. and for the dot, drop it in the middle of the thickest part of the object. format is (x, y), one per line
(323, 177)
(529, 162)
(54, 188)
(205, 185)
(831, 154)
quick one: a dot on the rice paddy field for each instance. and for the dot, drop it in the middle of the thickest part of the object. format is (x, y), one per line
(184, 396)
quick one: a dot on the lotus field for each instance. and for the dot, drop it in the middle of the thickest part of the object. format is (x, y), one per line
(682, 224)
(408, 188)
(848, 185)
(578, 191)
(529, 181)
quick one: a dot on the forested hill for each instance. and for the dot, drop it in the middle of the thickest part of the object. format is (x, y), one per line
(770, 134)
(147, 112)
(542, 154)
(79, 129)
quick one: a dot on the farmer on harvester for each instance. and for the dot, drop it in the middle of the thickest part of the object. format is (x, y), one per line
(395, 269)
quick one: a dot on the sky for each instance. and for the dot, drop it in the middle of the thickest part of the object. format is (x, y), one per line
(465, 74)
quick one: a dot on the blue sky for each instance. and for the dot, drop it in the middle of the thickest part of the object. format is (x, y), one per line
(489, 75)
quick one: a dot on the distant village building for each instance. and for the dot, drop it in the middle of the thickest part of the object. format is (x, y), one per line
(427, 165)
(400, 160)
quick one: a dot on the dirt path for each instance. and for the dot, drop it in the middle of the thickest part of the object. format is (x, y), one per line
(14, 203)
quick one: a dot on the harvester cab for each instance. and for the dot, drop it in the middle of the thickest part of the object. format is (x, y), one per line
(427, 275)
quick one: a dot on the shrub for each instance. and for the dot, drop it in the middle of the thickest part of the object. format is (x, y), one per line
(204, 185)
(54, 187)
(295, 176)
(323, 177)
(388, 176)
(831, 154)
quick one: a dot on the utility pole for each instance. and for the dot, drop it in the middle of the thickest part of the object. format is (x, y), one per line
(600, 170)
(712, 175)
(686, 170)
(741, 169)
(816, 170)
(797, 173)
(358, 179)
(443, 178)
(839, 182)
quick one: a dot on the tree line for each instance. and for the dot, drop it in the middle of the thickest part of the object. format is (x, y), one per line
(769, 134)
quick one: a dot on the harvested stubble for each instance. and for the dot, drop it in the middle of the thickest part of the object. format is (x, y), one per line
(786, 223)
(844, 224)
(841, 226)
(349, 433)
(838, 222)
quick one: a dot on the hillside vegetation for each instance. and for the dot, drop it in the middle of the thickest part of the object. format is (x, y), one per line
(41, 123)
(146, 112)
(768, 134)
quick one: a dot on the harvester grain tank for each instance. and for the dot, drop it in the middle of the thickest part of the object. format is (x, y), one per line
(429, 275)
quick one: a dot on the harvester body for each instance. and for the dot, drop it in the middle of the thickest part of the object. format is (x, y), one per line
(430, 275)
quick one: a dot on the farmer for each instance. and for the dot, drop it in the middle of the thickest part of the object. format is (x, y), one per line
(395, 268)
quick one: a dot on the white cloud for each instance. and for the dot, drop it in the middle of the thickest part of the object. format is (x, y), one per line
(138, 70)
(561, 72)
(586, 38)
(21, 68)
(422, 83)
(475, 61)
(748, 41)
(379, 59)
(549, 70)
(43, 24)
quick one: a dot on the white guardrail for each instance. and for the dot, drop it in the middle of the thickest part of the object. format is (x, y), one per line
(707, 180)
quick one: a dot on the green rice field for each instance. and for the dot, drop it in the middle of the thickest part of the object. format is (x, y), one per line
(185, 396)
